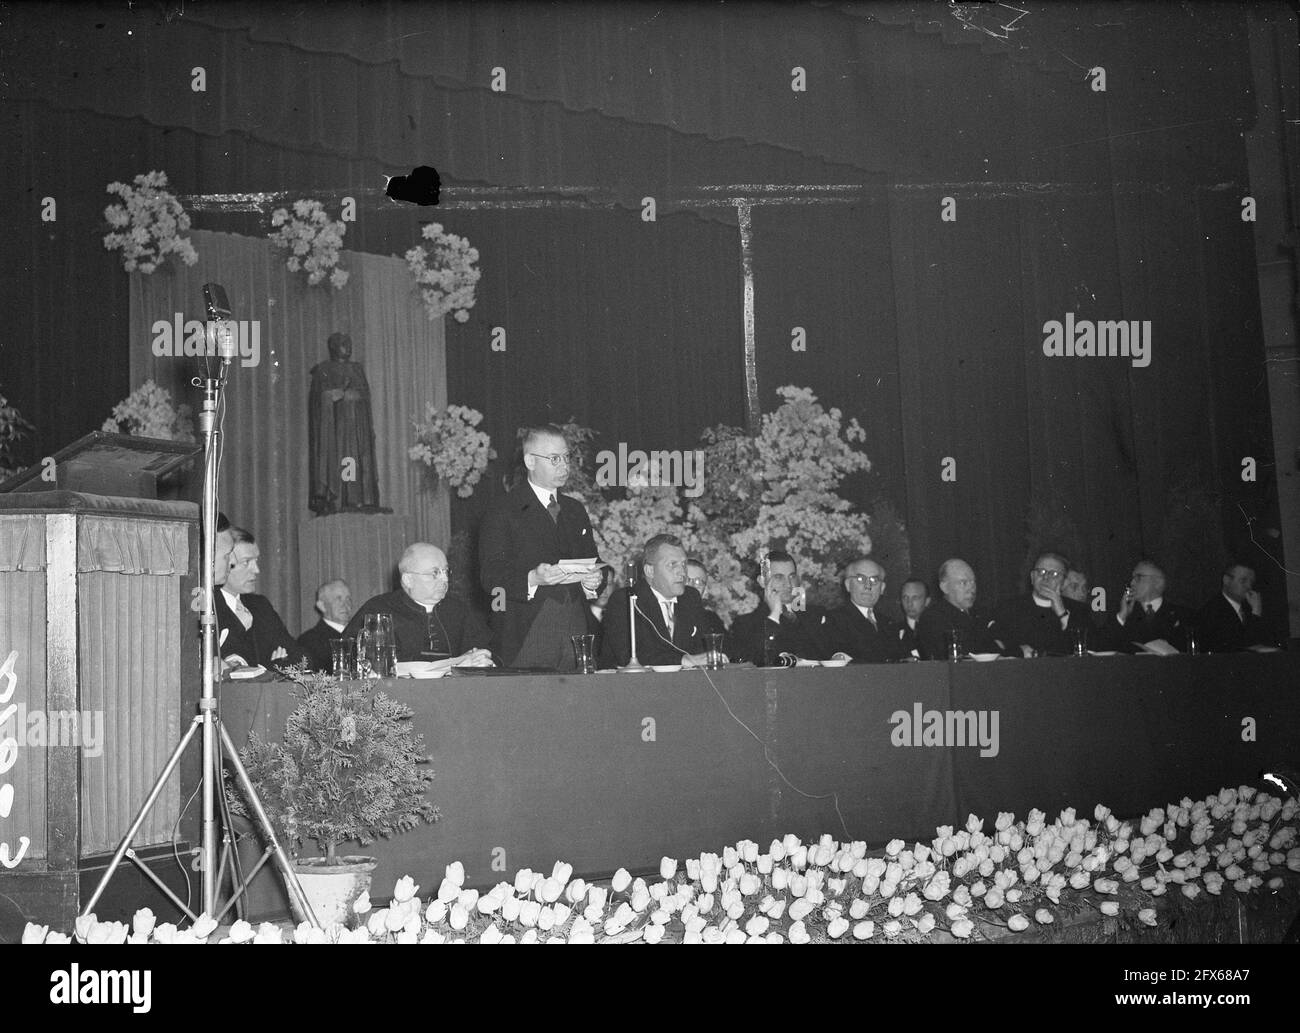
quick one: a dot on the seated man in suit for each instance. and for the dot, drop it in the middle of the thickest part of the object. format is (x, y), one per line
(669, 613)
(249, 630)
(1075, 586)
(1233, 619)
(1145, 615)
(857, 630)
(1042, 622)
(776, 626)
(955, 613)
(913, 598)
(428, 624)
(697, 577)
(334, 604)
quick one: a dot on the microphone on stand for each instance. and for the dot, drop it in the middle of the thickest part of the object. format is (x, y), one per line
(221, 339)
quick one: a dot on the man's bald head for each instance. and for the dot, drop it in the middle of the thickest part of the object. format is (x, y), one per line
(424, 573)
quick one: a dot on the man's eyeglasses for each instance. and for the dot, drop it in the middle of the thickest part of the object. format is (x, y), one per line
(870, 580)
(697, 582)
(436, 573)
(556, 460)
(1049, 575)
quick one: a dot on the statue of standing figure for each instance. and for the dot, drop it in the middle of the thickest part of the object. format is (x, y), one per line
(341, 436)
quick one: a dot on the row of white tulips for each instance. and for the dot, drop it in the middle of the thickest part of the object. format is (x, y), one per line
(965, 882)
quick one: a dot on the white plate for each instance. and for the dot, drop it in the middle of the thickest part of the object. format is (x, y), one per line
(241, 673)
(666, 668)
(801, 662)
(1102, 652)
(984, 657)
(422, 669)
(835, 663)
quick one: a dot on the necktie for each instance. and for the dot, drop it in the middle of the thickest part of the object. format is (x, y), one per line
(553, 508)
(241, 611)
(668, 616)
(1150, 612)
(872, 617)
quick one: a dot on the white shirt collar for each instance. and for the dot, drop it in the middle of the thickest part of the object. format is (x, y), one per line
(867, 612)
(1236, 606)
(1046, 604)
(233, 600)
(1155, 604)
(337, 627)
(662, 598)
(543, 494)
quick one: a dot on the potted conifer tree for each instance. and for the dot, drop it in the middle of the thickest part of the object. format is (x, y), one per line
(349, 769)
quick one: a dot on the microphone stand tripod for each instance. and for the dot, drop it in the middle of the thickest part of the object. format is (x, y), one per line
(207, 720)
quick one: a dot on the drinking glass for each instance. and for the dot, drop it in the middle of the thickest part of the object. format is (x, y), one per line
(343, 653)
(713, 649)
(954, 644)
(1079, 639)
(583, 653)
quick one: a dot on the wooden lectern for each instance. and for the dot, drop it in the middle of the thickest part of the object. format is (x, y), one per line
(94, 602)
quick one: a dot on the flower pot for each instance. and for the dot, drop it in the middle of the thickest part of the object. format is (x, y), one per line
(331, 888)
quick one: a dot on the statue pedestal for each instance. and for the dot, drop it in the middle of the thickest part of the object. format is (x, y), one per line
(361, 548)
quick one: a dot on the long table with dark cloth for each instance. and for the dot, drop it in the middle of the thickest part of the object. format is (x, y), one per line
(609, 771)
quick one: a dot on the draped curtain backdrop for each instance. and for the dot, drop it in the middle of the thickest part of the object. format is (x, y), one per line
(264, 472)
(1123, 204)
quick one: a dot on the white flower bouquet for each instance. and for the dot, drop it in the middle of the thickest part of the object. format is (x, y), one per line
(147, 412)
(450, 446)
(445, 272)
(147, 224)
(312, 240)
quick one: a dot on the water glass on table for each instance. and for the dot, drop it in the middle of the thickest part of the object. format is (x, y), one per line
(713, 651)
(584, 653)
(954, 642)
(343, 656)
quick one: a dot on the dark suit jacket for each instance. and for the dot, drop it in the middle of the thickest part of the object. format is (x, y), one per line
(1170, 623)
(315, 644)
(850, 632)
(907, 638)
(266, 634)
(451, 629)
(1022, 622)
(651, 649)
(979, 635)
(1222, 631)
(803, 634)
(517, 535)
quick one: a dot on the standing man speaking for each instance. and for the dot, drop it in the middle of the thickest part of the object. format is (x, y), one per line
(536, 603)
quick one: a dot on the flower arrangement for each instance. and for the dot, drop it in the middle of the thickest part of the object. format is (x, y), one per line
(347, 769)
(965, 884)
(776, 488)
(13, 428)
(148, 224)
(313, 241)
(446, 283)
(147, 412)
(450, 446)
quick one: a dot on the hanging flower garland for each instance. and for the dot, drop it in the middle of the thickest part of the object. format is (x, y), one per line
(313, 241)
(448, 444)
(147, 224)
(445, 272)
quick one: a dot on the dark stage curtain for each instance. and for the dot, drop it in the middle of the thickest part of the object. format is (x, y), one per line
(1116, 205)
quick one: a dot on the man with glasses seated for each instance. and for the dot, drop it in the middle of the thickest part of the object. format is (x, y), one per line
(859, 631)
(428, 624)
(1043, 622)
(782, 623)
(697, 577)
(1145, 615)
(955, 614)
(537, 605)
